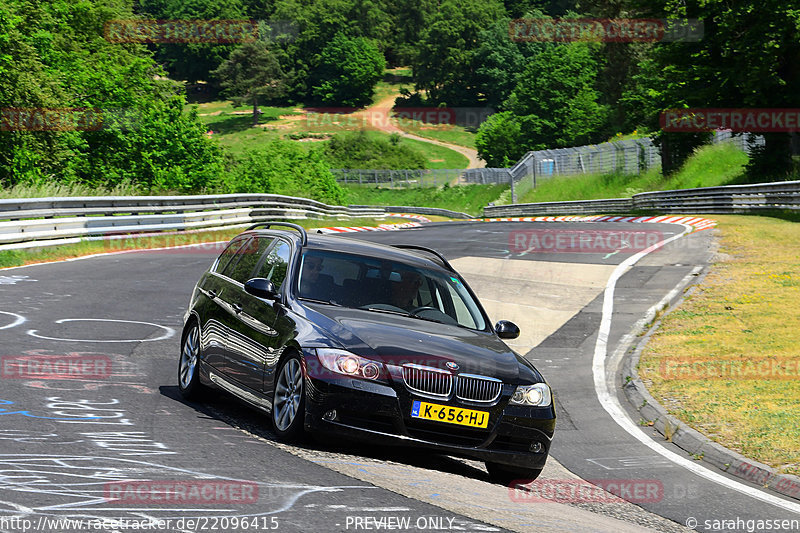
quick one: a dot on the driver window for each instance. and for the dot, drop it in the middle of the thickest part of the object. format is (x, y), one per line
(275, 264)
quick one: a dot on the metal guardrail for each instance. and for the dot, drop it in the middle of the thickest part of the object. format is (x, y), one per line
(782, 195)
(726, 199)
(581, 207)
(422, 211)
(36, 221)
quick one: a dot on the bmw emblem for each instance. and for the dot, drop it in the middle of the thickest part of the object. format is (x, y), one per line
(451, 365)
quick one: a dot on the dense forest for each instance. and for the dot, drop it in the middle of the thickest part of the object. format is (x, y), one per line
(57, 55)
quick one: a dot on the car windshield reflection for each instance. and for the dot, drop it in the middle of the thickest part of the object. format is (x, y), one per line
(378, 285)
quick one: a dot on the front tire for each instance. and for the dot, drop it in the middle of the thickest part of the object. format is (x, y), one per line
(189, 364)
(289, 405)
(505, 474)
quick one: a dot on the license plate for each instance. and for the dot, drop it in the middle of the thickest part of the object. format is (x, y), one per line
(450, 415)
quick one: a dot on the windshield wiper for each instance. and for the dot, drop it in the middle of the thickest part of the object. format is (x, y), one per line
(389, 311)
(402, 313)
(317, 301)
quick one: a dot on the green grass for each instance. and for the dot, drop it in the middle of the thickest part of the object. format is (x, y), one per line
(385, 89)
(438, 156)
(440, 132)
(236, 133)
(54, 189)
(712, 165)
(466, 198)
(744, 313)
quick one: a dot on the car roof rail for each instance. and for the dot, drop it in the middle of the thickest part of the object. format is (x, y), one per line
(266, 225)
(439, 256)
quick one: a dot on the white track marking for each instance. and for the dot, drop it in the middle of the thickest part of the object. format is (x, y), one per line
(610, 403)
(18, 319)
(168, 332)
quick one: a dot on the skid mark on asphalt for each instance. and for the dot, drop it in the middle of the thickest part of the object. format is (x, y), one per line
(29, 483)
(538, 296)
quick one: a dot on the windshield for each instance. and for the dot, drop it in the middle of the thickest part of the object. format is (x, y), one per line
(379, 285)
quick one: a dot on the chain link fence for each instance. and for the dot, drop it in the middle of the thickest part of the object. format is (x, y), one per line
(398, 179)
(630, 156)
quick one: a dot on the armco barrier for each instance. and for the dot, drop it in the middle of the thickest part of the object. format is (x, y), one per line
(719, 200)
(421, 210)
(45, 221)
(584, 207)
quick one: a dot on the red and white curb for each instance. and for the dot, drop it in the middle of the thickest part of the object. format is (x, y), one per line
(382, 227)
(696, 223)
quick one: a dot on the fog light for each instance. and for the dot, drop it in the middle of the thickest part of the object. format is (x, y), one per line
(330, 416)
(537, 447)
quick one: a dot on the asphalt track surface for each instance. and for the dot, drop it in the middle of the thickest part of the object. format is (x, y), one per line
(64, 443)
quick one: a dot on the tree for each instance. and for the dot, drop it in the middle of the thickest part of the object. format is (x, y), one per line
(193, 61)
(499, 61)
(498, 140)
(556, 98)
(444, 64)
(54, 56)
(250, 74)
(749, 57)
(349, 68)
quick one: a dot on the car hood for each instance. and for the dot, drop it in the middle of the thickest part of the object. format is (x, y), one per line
(397, 340)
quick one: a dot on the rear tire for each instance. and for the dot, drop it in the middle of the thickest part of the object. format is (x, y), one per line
(288, 400)
(506, 475)
(189, 364)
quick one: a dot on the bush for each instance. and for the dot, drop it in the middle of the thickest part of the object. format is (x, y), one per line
(282, 167)
(359, 150)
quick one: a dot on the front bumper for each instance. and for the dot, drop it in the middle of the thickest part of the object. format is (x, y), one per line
(380, 413)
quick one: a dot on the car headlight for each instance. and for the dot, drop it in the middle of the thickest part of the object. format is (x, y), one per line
(537, 395)
(349, 364)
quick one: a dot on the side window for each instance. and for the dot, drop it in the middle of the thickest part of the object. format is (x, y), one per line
(275, 264)
(248, 256)
(228, 254)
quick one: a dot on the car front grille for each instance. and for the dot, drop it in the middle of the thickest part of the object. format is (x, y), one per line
(434, 382)
(477, 388)
(427, 380)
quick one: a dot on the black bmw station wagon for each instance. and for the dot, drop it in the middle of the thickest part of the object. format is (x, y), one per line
(360, 340)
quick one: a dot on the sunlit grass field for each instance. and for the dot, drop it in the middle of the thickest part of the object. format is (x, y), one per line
(746, 315)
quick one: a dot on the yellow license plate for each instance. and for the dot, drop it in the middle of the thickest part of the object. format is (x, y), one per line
(450, 415)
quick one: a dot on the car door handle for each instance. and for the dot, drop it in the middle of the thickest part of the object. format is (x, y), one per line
(237, 308)
(212, 294)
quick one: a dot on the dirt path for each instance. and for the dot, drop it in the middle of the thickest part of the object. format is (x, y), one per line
(379, 115)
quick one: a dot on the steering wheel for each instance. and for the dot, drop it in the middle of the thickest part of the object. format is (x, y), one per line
(424, 308)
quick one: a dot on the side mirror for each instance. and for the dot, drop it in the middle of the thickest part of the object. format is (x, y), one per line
(506, 330)
(261, 288)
